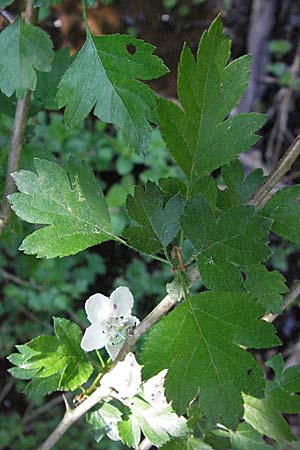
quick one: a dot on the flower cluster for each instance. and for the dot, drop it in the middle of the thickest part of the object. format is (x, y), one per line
(145, 400)
(125, 378)
(110, 319)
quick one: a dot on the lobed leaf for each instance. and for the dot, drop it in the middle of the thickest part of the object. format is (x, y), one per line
(69, 201)
(197, 136)
(200, 344)
(267, 286)
(24, 49)
(105, 75)
(157, 224)
(284, 210)
(223, 242)
(52, 362)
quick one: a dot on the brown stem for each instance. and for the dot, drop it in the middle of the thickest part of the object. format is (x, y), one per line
(6, 15)
(17, 137)
(281, 168)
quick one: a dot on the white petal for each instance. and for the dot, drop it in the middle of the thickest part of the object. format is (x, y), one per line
(93, 338)
(154, 391)
(113, 349)
(125, 378)
(121, 301)
(98, 308)
(132, 321)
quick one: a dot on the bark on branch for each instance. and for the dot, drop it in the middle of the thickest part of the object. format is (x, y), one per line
(281, 168)
(17, 137)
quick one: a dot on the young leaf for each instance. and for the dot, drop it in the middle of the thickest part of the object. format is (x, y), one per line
(267, 286)
(104, 420)
(197, 137)
(237, 237)
(24, 49)
(130, 431)
(157, 424)
(105, 75)
(47, 83)
(265, 419)
(157, 225)
(200, 343)
(53, 362)
(284, 210)
(70, 202)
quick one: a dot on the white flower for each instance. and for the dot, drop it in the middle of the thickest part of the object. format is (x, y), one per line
(125, 377)
(110, 318)
(154, 391)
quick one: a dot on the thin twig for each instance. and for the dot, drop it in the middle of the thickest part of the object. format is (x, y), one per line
(29, 417)
(17, 137)
(72, 415)
(6, 15)
(19, 281)
(7, 387)
(289, 299)
(14, 156)
(281, 168)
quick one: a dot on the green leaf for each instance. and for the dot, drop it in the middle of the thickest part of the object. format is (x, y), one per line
(267, 286)
(282, 394)
(246, 438)
(238, 190)
(47, 83)
(69, 201)
(277, 364)
(5, 3)
(105, 75)
(53, 362)
(157, 224)
(199, 342)
(197, 137)
(265, 419)
(186, 444)
(237, 237)
(130, 431)
(157, 424)
(24, 49)
(104, 421)
(284, 210)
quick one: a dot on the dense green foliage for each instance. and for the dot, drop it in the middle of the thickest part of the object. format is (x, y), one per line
(186, 215)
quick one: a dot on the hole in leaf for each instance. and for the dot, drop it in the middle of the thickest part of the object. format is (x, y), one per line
(249, 372)
(131, 49)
